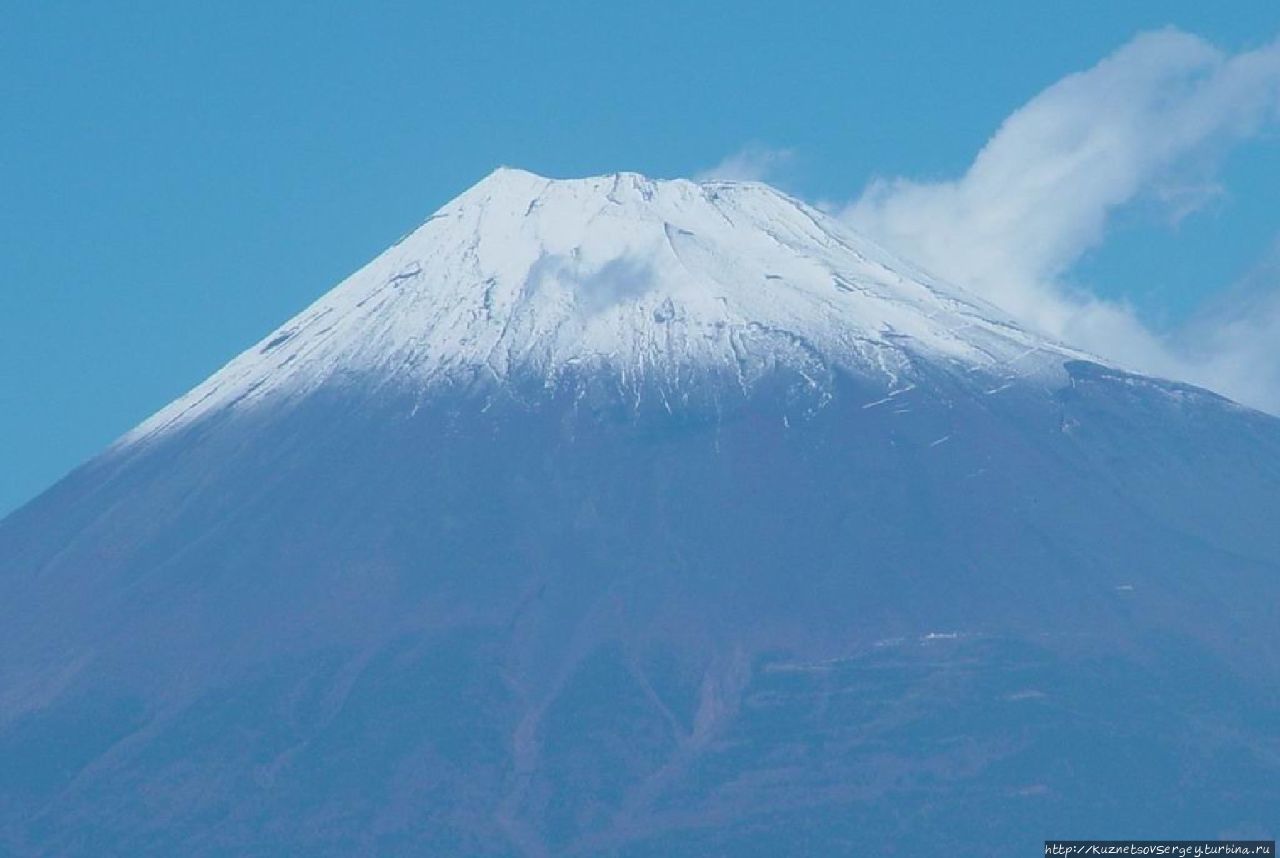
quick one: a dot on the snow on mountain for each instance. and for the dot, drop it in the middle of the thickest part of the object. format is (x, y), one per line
(528, 277)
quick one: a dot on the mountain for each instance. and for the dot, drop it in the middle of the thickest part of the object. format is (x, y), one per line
(628, 517)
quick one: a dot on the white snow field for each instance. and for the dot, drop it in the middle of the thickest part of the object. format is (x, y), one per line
(650, 281)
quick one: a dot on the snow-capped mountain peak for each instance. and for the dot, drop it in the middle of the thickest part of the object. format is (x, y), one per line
(652, 281)
(432, 569)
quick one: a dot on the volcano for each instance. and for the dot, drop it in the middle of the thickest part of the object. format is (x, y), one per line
(616, 516)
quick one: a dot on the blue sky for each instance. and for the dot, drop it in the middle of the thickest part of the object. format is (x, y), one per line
(178, 178)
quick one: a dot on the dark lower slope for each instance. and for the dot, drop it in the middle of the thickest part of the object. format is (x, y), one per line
(947, 617)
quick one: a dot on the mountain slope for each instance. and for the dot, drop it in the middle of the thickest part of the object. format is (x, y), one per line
(759, 543)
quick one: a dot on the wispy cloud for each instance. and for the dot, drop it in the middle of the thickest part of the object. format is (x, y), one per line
(1234, 344)
(1149, 122)
(752, 163)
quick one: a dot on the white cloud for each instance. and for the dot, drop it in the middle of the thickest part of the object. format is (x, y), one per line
(1235, 344)
(1147, 122)
(751, 164)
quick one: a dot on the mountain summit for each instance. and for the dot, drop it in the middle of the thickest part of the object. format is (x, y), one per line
(659, 286)
(621, 517)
